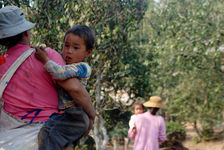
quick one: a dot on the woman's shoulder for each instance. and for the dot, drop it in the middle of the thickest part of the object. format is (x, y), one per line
(51, 51)
(55, 56)
(160, 118)
(143, 115)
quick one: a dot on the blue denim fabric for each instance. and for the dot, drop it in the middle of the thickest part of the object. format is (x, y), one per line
(64, 129)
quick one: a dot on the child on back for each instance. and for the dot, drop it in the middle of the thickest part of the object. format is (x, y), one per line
(67, 127)
(138, 108)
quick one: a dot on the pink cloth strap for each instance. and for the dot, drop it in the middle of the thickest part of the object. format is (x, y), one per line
(10, 72)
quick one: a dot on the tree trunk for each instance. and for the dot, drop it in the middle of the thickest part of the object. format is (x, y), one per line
(100, 133)
(196, 129)
(115, 144)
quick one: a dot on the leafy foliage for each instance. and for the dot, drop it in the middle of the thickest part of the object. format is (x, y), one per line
(117, 122)
(175, 131)
(86, 143)
(175, 135)
(186, 41)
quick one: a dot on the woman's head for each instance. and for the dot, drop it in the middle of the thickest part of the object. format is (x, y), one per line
(154, 104)
(78, 44)
(13, 25)
(138, 108)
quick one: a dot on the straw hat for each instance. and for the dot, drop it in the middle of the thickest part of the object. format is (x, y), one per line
(12, 22)
(154, 101)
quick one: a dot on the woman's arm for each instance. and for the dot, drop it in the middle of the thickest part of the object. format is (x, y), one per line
(162, 130)
(79, 95)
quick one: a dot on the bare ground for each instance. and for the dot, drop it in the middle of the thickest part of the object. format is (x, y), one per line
(216, 144)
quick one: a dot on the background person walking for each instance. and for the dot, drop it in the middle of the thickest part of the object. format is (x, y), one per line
(150, 128)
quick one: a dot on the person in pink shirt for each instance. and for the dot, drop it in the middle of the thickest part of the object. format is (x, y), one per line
(30, 97)
(150, 128)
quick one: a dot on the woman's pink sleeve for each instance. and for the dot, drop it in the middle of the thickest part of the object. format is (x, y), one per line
(162, 131)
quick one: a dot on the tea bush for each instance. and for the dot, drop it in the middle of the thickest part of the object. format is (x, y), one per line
(175, 132)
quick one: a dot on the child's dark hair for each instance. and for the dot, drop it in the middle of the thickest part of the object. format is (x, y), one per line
(137, 104)
(84, 32)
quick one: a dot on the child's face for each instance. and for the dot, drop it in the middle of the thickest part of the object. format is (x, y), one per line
(74, 49)
(138, 109)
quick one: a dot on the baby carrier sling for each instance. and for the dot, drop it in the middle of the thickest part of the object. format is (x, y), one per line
(13, 130)
(12, 69)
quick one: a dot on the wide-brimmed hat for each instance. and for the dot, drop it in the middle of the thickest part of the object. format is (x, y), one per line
(154, 101)
(12, 22)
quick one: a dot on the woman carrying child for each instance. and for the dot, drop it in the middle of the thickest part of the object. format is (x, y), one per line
(150, 128)
(30, 97)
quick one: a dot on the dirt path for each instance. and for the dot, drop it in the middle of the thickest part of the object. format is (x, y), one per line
(215, 145)
(211, 145)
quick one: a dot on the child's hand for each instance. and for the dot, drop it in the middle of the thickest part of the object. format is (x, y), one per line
(41, 54)
(134, 131)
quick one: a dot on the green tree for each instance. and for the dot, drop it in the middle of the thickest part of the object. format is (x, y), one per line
(113, 70)
(186, 39)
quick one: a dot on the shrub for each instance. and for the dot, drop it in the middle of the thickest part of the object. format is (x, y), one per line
(175, 132)
(207, 134)
(86, 143)
(119, 132)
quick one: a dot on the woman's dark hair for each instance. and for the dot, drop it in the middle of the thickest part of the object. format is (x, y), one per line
(84, 32)
(11, 41)
(153, 110)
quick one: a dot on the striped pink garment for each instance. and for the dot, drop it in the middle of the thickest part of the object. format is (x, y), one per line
(150, 131)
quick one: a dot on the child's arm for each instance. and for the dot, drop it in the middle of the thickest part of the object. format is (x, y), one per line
(131, 122)
(79, 70)
(131, 134)
(134, 131)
